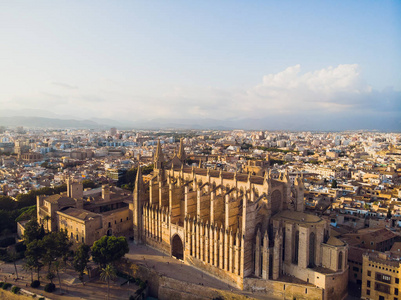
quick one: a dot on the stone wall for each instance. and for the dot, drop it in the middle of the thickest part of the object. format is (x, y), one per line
(145, 274)
(337, 285)
(173, 289)
(229, 278)
(283, 290)
(165, 288)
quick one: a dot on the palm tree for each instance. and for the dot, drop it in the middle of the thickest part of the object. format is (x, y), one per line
(57, 266)
(50, 275)
(29, 266)
(13, 257)
(108, 273)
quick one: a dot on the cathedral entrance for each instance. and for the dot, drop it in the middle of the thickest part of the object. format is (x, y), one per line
(177, 249)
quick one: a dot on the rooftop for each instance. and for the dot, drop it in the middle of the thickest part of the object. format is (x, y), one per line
(60, 200)
(299, 217)
(81, 214)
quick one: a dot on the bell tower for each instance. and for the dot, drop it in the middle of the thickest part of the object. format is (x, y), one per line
(139, 198)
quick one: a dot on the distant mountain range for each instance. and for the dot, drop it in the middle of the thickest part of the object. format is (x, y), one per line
(312, 122)
(246, 124)
(40, 122)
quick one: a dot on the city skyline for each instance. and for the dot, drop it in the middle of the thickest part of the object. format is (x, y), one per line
(278, 63)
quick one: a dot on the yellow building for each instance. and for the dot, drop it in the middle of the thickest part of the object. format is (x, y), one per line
(87, 216)
(381, 276)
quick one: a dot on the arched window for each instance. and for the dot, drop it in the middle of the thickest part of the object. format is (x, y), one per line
(296, 248)
(326, 235)
(312, 249)
(340, 260)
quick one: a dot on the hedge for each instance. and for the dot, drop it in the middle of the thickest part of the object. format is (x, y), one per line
(15, 289)
(50, 287)
(6, 285)
(35, 284)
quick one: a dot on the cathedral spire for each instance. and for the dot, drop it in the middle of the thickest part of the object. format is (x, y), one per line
(286, 175)
(181, 151)
(159, 157)
(159, 153)
(138, 180)
(137, 204)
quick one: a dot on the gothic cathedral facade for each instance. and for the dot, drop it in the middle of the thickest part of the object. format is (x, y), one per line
(249, 231)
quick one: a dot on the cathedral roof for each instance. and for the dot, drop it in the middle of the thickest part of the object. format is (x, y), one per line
(226, 175)
(298, 217)
(335, 242)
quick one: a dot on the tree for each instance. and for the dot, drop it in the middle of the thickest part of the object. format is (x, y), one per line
(81, 260)
(26, 213)
(130, 177)
(109, 249)
(12, 255)
(50, 275)
(29, 265)
(108, 273)
(87, 183)
(57, 266)
(33, 232)
(334, 184)
(7, 221)
(7, 203)
(146, 170)
(129, 180)
(56, 245)
(27, 199)
(34, 253)
(60, 188)
(246, 146)
(389, 215)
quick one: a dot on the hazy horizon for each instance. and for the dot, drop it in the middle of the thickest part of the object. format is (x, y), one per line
(263, 63)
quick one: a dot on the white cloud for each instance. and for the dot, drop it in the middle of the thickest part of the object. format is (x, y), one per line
(325, 90)
(329, 91)
(332, 90)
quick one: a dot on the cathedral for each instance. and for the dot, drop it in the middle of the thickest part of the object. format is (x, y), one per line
(249, 231)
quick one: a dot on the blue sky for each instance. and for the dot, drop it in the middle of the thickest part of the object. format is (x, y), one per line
(201, 59)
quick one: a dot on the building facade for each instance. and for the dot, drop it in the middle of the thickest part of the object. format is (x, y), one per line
(239, 228)
(381, 276)
(86, 218)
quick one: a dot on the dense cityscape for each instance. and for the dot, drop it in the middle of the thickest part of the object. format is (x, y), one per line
(196, 150)
(351, 181)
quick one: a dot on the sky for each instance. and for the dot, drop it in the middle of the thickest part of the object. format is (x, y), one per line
(227, 60)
